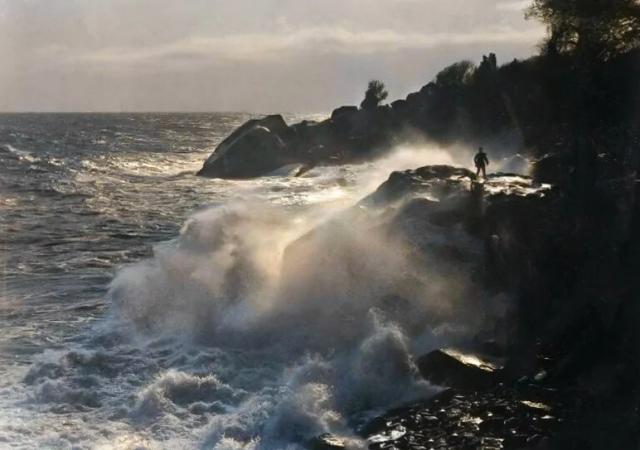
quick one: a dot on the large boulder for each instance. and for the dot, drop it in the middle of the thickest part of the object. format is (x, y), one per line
(348, 110)
(462, 371)
(276, 124)
(311, 134)
(350, 123)
(258, 147)
(261, 146)
(362, 132)
(258, 151)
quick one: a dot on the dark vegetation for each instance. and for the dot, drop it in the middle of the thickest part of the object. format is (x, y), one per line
(375, 95)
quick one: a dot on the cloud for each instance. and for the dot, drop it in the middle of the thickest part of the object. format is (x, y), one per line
(513, 6)
(270, 47)
(273, 55)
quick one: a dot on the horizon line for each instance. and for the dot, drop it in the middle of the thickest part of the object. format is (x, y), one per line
(261, 113)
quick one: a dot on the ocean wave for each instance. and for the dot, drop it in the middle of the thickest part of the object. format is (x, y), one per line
(325, 350)
(220, 338)
(13, 153)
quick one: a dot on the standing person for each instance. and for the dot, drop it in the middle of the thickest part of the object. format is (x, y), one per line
(481, 161)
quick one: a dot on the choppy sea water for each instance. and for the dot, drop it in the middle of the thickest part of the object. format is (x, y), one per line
(142, 307)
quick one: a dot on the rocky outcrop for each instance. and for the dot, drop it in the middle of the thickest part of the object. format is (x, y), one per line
(567, 262)
(509, 235)
(256, 148)
(433, 223)
(460, 370)
(522, 417)
(261, 146)
(524, 105)
(344, 111)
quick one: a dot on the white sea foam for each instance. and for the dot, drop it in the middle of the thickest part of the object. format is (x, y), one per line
(215, 343)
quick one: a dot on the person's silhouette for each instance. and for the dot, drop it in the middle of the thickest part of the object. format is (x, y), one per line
(481, 161)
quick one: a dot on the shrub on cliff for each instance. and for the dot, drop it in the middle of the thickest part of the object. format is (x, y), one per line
(456, 74)
(375, 95)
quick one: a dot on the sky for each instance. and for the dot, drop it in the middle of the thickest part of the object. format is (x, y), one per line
(241, 55)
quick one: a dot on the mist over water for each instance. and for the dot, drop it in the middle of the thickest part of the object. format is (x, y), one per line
(175, 312)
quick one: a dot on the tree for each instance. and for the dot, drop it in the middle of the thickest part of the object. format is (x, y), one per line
(456, 74)
(594, 29)
(375, 95)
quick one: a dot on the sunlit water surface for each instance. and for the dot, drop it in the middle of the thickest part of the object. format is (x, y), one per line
(178, 355)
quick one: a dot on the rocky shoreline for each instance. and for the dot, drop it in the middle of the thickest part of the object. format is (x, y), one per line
(562, 247)
(352, 134)
(531, 377)
(564, 253)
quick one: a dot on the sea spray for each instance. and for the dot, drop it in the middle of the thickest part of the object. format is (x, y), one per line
(316, 325)
(222, 339)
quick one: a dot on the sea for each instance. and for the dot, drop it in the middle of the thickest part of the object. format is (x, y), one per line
(142, 307)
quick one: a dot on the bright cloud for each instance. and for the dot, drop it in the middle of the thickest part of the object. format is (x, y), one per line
(513, 6)
(212, 54)
(258, 48)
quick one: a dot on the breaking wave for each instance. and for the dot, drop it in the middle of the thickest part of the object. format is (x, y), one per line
(309, 340)
(262, 325)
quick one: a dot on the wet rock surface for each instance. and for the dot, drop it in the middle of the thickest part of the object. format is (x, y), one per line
(440, 215)
(465, 372)
(568, 335)
(326, 442)
(501, 418)
(260, 146)
(256, 148)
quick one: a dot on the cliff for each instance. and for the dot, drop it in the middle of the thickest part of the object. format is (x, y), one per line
(533, 369)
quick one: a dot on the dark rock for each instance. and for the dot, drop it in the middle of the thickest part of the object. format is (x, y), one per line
(375, 426)
(309, 132)
(276, 124)
(511, 422)
(254, 149)
(499, 409)
(400, 106)
(256, 152)
(436, 180)
(549, 169)
(395, 434)
(318, 136)
(348, 110)
(350, 125)
(484, 419)
(490, 443)
(326, 442)
(421, 210)
(492, 348)
(455, 369)
(492, 426)
(426, 420)
(416, 208)
(414, 99)
(516, 442)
